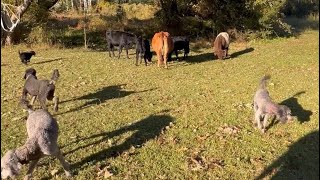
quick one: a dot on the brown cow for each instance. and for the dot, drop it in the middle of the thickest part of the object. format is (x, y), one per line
(221, 45)
(162, 44)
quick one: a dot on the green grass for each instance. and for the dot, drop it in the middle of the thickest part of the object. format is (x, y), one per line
(191, 121)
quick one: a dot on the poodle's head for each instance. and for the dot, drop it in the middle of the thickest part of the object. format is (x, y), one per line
(285, 113)
(30, 71)
(10, 166)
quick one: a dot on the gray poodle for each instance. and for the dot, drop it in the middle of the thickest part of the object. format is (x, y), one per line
(264, 107)
(42, 131)
(43, 89)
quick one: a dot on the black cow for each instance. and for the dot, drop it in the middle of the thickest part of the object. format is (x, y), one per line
(121, 39)
(180, 42)
(143, 49)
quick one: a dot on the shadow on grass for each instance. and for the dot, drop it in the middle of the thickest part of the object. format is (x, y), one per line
(239, 53)
(299, 25)
(50, 60)
(200, 58)
(144, 130)
(296, 108)
(301, 161)
(101, 96)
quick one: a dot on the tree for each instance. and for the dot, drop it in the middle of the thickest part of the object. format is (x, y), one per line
(21, 9)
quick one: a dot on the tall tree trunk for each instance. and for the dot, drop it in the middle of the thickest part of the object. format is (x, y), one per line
(89, 4)
(85, 5)
(20, 11)
(72, 4)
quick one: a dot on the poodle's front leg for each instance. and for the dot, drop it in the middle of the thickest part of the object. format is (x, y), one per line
(56, 102)
(32, 100)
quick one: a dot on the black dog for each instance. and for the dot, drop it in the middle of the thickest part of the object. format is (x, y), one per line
(43, 89)
(26, 56)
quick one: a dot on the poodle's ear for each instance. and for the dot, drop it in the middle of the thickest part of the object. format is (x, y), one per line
(30, 71)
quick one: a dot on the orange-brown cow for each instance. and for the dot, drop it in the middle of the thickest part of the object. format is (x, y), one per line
(162, 44)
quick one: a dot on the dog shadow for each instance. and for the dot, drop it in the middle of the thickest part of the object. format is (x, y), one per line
(296, 108)
(143, 131)
(101, 96)
(301, 161)
(239, 53)
(50, 60)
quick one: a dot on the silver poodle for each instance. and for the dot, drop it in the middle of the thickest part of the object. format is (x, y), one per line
(42, 131)
(264, 107)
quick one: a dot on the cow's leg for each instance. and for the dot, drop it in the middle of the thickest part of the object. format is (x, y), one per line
(120, 50)
(108, 49)
(127, 49)
(137, 57)
(112, 48)
(184, 53)
(159, 57)
(227, 51)
(145, 60)
(176, 52)
(165, 59)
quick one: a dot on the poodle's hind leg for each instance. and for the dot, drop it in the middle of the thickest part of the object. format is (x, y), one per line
(64, 163)
(32, 165)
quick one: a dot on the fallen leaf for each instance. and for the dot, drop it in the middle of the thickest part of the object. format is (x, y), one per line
(54, 172)
(107, 174)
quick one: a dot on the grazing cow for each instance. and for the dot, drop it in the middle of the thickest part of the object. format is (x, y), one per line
(179, 43)
(162, 44)
(221, 45)
(121, 39)
(143, 49)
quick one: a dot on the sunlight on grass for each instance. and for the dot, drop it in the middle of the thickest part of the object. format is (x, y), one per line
(191, 121)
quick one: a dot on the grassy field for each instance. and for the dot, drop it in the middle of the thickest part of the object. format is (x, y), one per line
(190, 121)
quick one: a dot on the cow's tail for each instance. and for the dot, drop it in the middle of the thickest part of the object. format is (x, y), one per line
(165, 48)
(263, 82)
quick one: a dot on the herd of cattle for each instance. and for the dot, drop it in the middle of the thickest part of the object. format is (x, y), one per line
(162, 43)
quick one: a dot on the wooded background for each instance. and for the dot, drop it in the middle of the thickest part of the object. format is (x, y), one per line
(64, 21)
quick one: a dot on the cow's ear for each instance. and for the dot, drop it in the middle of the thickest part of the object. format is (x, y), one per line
(166, 33)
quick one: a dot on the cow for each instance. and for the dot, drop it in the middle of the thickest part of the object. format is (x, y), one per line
(143, 51)
(221, 45)
(121, 39)
(162, 44)
(179, 43)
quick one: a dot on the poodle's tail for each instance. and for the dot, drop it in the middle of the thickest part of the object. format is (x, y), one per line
(25, 105)
(263, 82)
(55, 76)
